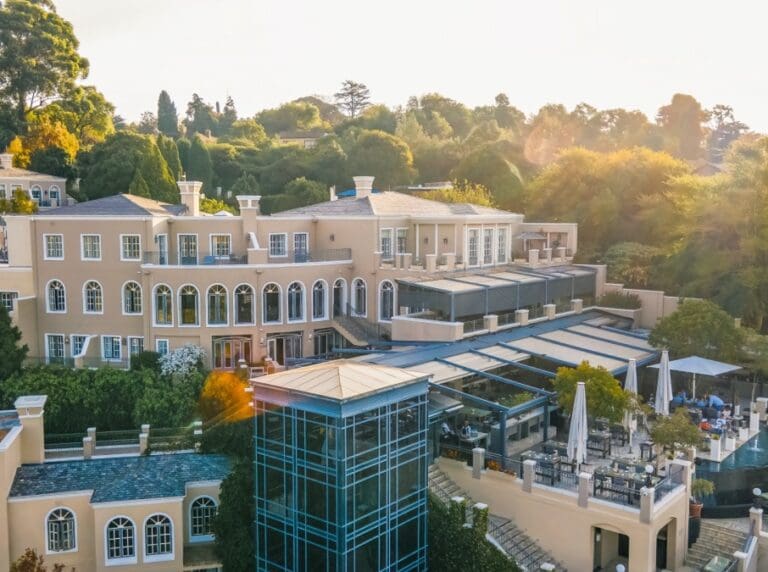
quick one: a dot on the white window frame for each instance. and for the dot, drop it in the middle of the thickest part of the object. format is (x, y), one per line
(273, 254)
(254, 304)
(200, 537)
(404, 230)
(130, 339)
(32, 190)
(122, 298)
(14, 295)
(353, 293)
(502, 254)
(159, 341)
(180, 320)
(478, 247)
(154, 306)
(178, 248)
(306, 242)
(124, 258)
(47, 538)
(121, 561)
(158, 557)
(325, 301)
(72, 343)
(162, 253)
(82, 247)
(48, 297)
(386, 233)
(85, 298)
(225, 323)
(489, 239)
(380, 298)
(264, 306)
(46, 256)
(54, 189)
(212, 250)
(303, 318)
(113, 359)
(48, 347)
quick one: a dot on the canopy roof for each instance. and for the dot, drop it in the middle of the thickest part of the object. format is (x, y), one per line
(700, 366)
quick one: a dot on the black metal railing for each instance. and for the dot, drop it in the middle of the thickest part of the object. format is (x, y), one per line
(199, 259)
(305, 256)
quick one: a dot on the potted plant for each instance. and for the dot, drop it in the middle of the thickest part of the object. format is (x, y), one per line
(674, 432)
(699, 489)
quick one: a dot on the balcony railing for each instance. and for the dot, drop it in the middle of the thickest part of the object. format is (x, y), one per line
(200, 259)
(304, 256)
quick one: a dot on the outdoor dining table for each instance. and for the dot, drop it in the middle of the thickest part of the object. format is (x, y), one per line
(561, 450)
(624, 483)
(546, 465)
(600, 441)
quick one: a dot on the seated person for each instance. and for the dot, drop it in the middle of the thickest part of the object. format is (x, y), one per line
(446, 431)
(679, 399)
(466, 430)
(715, 402)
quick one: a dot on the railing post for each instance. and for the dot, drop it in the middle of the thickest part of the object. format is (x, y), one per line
(145, 428)
(478, 462)
(91, 431)
(87, 448)
(756, 520)
(584, 479)
(143, 443)
(529, 472)
(647, 496)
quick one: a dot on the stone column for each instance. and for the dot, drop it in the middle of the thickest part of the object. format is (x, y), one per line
(407, 260)
(431, 265)
(577, 305)
(491, 322)
(450, 261)
(756, 520)
(754, 422)
(521, 317)
(584, 479)
(145, 428)
(549, 311)
(478, 462)
(87, 448)
(546, 254)
(143, 443)
(529, 470)
(533, 257)
(647, 495)
(91, 431)
(560, 253)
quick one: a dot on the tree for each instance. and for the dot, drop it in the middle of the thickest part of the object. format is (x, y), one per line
(147, 124)
(699, 327)
(353, 97)
(487, 167)
(725, 130)
(683, 120)
(675, 431)
(245, 185)
(200, 167)
(224, 399)
(382, 155)
(245, 132)
(38, 56)
(297, 193)
(201, 118)
(605, 396)
(184, 145)
(52, 161)
(213, 206)
(228, 117)
(461, 192)
(86, 113)
(13, 353)
(110, 167)
(30, 561)
(631, 263)
(44, 131)
(20, 203)
(234, 523)
(170, 153)
(167, 116)
(293, 116)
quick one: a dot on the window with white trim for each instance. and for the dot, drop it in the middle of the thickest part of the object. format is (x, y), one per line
(387, 301)
(217, 305)
(271, 303)
(360, 297)
(57, 299)
(501, 246)
(221, 245)
(187, 249)
(188, 302)
(110, 348)
(244, 304)
(54, 247)
(488, 246)
(54, 193)
(93, 303)
(132, 298)
(91, 246)
(202, 512)
(130, 247)
(277, 244)
(319, 301)
(55, 347)
(36, 192)
(402, 240)
(473, 238)
(135, 345)
(121, 539)
(301, 244)
(295, 302)
(61, 530)
(163, 305)
(6, 300)
(158, 536)
(385, 243)
(161, 346)
(78, 343)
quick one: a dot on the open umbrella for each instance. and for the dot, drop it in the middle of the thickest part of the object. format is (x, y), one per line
(700, 366)
(577, 435)
(630, 386)
(663, 386)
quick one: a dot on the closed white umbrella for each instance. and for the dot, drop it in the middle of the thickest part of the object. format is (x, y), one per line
(630, 386)
(663, 386)
(577, 435)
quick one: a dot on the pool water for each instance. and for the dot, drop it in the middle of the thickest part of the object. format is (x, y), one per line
(754, 454)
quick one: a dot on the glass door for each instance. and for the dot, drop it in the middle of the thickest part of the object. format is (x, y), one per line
(188, 248)
(301, 246)
(162, 249)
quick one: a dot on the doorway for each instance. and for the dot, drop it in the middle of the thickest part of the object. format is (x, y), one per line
(610, 549)
(227, 351)
(283, 347)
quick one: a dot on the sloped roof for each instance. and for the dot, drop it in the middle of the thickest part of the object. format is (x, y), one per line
(16, 173)
(120, 478)
(117, 205)
(340, 379)
(390, 203)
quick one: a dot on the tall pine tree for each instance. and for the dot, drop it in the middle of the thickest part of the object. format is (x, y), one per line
(13, 353)
(167, 116)
(170, 153)
(200, 165)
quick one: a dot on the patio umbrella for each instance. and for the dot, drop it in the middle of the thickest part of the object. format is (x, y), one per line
(630, 385)
(701, 366)
(577, 435)
(663, 386)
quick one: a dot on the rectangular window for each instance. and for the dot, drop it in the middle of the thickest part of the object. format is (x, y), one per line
(277, 244)
(501, 250)
(221, 245)
(161, 346)
(78, 343)
(54, 347)
(130, 247)
(54, 247)
(488, 246)
(110, 348)
(91, 246)
(3, 195)
(6, 300)
(162, 248)
(472, 246)
(402, 240)
(135, 345)
(188, 249)
(301, 244)
(385, 243)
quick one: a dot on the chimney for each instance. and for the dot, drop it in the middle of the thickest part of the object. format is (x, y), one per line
(332, 190)
(30, 409)
(190, 196)
(6, 160)
(249, 204)
(363, 186)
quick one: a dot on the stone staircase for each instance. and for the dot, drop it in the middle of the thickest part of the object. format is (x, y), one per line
(524, 550)
(714, 540)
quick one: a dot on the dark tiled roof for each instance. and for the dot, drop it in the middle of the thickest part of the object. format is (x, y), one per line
(117, 205)
(9, 419)
(120, 478)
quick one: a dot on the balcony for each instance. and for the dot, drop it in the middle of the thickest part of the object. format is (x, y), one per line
(309, 256)
(201, 259)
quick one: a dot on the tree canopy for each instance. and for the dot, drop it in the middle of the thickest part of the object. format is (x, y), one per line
(605, 396)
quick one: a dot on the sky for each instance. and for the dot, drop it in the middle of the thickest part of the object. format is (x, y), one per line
(608, 53)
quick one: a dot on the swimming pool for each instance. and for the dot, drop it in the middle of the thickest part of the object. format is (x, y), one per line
(734, 478)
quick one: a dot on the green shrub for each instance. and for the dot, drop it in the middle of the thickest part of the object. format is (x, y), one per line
(620, 300)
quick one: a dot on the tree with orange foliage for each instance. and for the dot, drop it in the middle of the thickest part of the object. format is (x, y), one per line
(224, 399)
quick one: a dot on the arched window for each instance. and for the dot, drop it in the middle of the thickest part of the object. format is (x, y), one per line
(131, 298)
(201, 515)
(163, 306)
(57, 297)
(295, 302)
(188, 305)
(244, 304)
(271, 303)
(54, 193)
(386, 301)
(217, 305)
(339, 297)
(359, 297)
(36, 193)
(158, 535)
(319, 301)
(121, 539)
(93, 303)
(61, 530)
